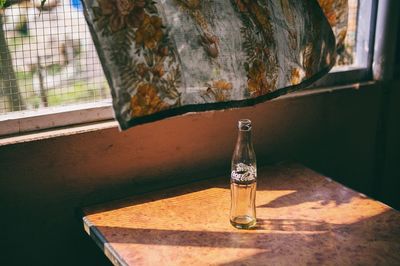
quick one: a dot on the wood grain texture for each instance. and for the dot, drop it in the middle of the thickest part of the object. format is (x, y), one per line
(303, 218)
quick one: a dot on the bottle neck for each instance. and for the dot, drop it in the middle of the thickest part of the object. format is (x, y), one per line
(244, 137)
(244, 152)
(244, 147)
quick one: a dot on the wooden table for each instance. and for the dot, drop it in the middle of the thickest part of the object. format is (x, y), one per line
(303, 218)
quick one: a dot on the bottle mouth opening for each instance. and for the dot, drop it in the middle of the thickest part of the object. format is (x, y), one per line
(244, 124)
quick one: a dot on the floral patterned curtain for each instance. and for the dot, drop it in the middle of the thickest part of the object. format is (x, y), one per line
(168, 57)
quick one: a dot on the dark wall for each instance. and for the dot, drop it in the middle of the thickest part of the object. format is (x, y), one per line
(388, 180)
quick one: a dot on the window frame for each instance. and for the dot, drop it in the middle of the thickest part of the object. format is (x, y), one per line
(361, 71)
(55, 117)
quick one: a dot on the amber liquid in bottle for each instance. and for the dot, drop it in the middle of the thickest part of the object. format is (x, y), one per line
(243, 203)
(243, 180)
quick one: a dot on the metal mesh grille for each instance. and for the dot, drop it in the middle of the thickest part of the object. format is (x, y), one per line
(47, 58)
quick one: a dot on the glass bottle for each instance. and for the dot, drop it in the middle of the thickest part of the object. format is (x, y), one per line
(243, 179)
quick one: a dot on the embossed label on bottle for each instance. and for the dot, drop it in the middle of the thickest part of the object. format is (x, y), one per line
(244, 173)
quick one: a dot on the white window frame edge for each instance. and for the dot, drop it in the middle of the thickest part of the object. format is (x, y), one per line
(29, 121)
(55, 117)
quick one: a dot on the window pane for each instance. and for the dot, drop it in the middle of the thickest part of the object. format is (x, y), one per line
(356, 52)
(48, 58)
(346, 55)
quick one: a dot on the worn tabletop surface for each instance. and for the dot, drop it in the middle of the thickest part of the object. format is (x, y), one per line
(303, 218)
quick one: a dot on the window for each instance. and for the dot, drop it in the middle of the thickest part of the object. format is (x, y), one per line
(347, 54)
(355, 59)
(49, 65)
